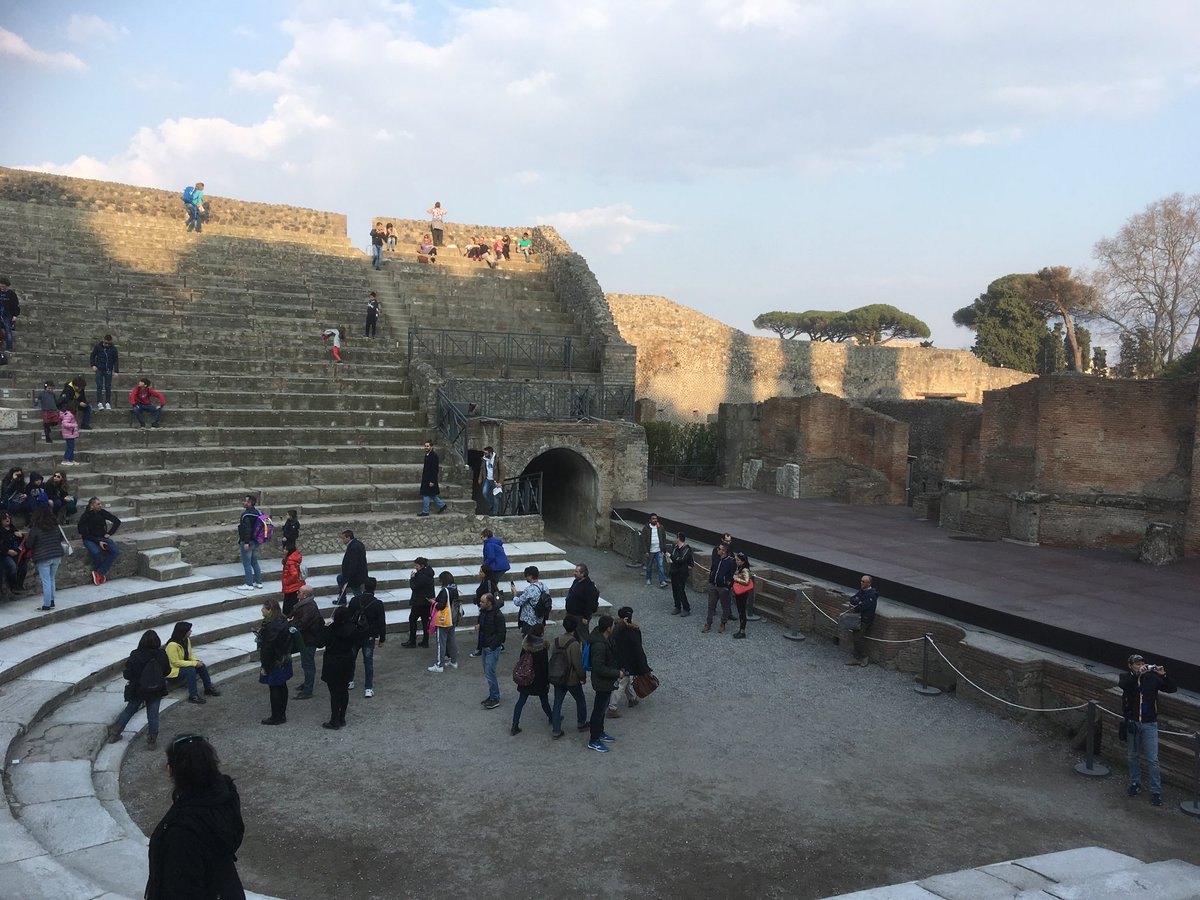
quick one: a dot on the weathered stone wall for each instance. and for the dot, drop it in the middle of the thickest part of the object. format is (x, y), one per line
(107, 196)
(1081, 462)
(814, 446)
(943, 438)
(690, 363)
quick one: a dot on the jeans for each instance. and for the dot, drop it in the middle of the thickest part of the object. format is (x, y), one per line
(447, 646)
(652, 561)
(599, 710)
(491, 656)
(489, 495)
(521, 705)
(85, 416)
(139, 408)
(7, 322)
(1143, 737)
(441, 504)
(132, 707)
(69, 452)
(47, 572)
(560, 694)
(103, 387)
(679, 590)
(102, 560)
(192, 673)
(526, 252)
(717, 594)
(193, 219)
(14, 574)
(391, 242)
(250, 563)
(352, 590)
(308, 663)
(367, 646)
(377, 255)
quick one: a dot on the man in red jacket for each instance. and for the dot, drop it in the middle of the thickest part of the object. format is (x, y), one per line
(144, 398)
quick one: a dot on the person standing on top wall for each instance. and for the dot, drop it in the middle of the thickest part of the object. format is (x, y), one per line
(437, 225)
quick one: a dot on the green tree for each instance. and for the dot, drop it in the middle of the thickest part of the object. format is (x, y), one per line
(1100, 362)
(1007, 329)
(1051, 357)
(879, 323)
(1054, 291)
(784, 324)
(1139, 354)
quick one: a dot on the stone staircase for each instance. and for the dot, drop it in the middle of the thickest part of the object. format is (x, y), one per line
(1087, 873)
(64, 832)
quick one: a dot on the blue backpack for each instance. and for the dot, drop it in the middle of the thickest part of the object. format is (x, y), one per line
(188, 193)
(587, 657)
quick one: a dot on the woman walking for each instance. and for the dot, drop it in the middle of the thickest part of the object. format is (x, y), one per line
(275, 659)
(291, 580)
(337, 668)
(446, 613)
(535, 645)
(145, 682)
(192, 849)
(45, 542)
(570, 679)
(743, 590)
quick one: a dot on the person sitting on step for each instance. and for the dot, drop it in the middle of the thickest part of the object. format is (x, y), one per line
(144, 398)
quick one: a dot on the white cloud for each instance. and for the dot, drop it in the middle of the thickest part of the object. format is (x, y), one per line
(615, 226)
(93, 30)
(15, 46)
(245, 31)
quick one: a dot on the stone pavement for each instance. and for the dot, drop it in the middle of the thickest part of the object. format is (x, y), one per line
(1099, 606)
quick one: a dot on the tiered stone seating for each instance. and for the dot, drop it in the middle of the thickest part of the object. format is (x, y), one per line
(63, 822)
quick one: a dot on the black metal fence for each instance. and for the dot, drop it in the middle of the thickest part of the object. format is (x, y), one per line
(542, 401)
(522, 495)
(684, 474)
(452, 423)
(487, 352)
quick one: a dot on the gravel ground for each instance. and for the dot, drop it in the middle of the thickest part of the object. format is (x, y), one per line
(760, 767)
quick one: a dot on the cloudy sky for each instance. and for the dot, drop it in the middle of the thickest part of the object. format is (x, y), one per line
(735, 155)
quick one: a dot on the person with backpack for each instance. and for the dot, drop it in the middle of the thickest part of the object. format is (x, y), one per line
(538, 683)
(144, 398)
(193, 200)
(145, 683)
(306, 619)
(533, 603)
(96, 527)
(249, 533)
(184, 664)
(421, 583)
(275, 659)
(292, 576)
(105, 363)
(370, 627)
(10, 308)
(491, 633)
(446, 613)
(354, 568)
(565, 671)
(337, 667)
(601, 662)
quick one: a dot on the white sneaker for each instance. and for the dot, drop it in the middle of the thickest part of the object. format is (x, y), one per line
(244, 587)
(350, 686)
(452, 664)
(369, 692)
(438, 669)
(258, 586)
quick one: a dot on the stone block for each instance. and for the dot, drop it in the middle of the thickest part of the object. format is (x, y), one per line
(8, 419)
(787, 480)
(750, 470)
(1163, 544)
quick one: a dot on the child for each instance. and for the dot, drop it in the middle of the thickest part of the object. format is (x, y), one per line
(336, 334)
(525, 245)
(373, 312)
(49, 406)
(291, 527)
(70, 431)
(390, 234)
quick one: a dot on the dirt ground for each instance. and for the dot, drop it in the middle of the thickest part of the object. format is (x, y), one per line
(760, 767)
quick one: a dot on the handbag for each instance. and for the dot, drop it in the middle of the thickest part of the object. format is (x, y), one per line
(850, 621)
(645, 685)
(739, 589)
(67, 549)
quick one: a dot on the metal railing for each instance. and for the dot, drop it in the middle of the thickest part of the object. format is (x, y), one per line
(543, 401)
(522, 495)
(491, 351)
(689, 473)
(452, 423)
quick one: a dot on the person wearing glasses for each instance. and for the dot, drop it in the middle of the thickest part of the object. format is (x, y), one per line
(192, 850)
(1140, 687)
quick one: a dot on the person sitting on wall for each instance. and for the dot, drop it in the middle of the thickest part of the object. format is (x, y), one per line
(426, 252)
(143, 398)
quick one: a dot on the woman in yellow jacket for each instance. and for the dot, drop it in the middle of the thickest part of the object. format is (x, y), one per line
(184, 664)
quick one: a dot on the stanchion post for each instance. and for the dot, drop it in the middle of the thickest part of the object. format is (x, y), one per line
(1089, 766)
(751, 615)
(796, 634)
(924, 687)
(1192, 807)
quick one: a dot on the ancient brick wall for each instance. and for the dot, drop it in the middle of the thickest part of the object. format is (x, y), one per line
(943, 438)
(814, 446)
(690, 363)
(110, 197)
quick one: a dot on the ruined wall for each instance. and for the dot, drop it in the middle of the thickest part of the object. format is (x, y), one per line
(690, 363)
(814, 446)
(943, 438)
(1074, 461)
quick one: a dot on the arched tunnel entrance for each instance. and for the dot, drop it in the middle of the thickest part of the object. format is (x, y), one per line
(570, 488)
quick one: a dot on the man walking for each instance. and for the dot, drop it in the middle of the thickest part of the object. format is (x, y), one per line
(96, 527)
(375, 632)
(527, 600)
(354, 573)
(378, 236)
(421, 582)
(654, 542)
(489, 477)
(1140, 687)
(864, 601)
(193, 200)
(583, 599)
(247, 532)
(682, 560)
(306, 619)
(106, 362)
(430, 489)
(719, 580)
(10, 308)
(605, 675)
(491, 638)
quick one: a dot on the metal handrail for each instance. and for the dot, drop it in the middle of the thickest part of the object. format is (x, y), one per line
(488, 351)
(544, 401)
(522, 495)
(452, 423)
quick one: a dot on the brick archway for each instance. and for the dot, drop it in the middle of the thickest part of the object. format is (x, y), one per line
(570, 492)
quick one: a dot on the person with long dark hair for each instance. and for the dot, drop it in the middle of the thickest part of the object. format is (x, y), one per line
(535, 645)
(193, 848)
(184, 664)
(275, 659)
(337, 667)
(16, 563)
(145, 682)
(12, 489)
(487, 585)
(44, 541)
(742, 589)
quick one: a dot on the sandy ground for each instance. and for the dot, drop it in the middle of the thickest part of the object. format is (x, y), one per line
(760, 767)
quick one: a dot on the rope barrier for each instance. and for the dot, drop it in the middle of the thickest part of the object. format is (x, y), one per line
(993, 696)
(1183, 734)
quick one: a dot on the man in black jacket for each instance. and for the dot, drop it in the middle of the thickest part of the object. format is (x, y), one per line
(105, 362)
(682, 560)
(306, 619)
(96, 527)
(491, 638)
(1140, 687)
(605, 675)
(421, 583)
(720, 577)
(248, 544)
(430, 488)
(583, 599)
(354, 568)
(863, 602)
(376, 632)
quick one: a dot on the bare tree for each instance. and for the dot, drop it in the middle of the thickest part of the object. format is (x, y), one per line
(1149, 276)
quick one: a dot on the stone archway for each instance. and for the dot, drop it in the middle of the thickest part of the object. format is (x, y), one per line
(570, 493)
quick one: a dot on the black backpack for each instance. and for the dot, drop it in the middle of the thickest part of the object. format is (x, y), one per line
(361, 620)
(153, 680)
(559, 667)
(543, 605)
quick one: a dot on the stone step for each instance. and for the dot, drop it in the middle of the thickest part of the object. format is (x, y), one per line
(162, 564)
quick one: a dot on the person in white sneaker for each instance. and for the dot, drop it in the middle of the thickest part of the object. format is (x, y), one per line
(248, 544)
(446, 613)
(106, 362)
(367, 614)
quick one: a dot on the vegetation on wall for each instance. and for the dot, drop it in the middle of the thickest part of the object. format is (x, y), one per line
(685, 450)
